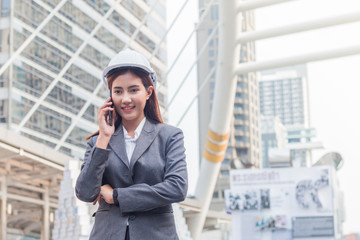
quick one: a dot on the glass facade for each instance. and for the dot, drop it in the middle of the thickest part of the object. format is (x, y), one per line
(48, 91)
(283, 93)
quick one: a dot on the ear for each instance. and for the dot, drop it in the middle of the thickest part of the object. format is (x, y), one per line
(149, 92)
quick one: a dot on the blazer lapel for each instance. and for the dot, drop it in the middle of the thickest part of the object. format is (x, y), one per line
(146, 137)
(117, 144)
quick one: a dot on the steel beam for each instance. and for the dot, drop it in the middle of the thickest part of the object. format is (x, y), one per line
(133, 36)
(75, 120)
(36, 158)
(208, 77)
(24, 215)
(26, 186)
(205, 13)
(299, 27)
(250, 5)
(27, 199)
(64, 69)
(300, 59)
(31, 37)
(192, 66)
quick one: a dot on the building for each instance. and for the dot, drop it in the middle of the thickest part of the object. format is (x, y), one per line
(244, 142)
(52, 88)
(284, 94)
(273, 135)
(300, 144)
(52, 55)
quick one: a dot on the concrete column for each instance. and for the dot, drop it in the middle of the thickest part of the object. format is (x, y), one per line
(45, 226)
(3, 208)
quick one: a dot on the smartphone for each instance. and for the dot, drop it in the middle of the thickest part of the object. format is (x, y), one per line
(110, 114)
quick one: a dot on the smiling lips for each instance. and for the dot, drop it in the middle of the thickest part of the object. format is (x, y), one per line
(128, 109)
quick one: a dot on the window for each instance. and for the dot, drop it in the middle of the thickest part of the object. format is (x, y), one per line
(214, 13)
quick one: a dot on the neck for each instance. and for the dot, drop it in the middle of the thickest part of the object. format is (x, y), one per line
(131, 126)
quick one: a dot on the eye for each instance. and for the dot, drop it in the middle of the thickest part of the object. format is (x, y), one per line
(117, 91)
(134, 90)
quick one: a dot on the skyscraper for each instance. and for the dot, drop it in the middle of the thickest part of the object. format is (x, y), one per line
(52, 88)
(244, 142)
(52, 53)
(284, 94)
(273, 135)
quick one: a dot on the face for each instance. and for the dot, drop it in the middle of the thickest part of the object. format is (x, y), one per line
(129, 97)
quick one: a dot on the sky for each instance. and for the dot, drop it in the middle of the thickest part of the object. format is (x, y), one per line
(176, 39)
(334, 85)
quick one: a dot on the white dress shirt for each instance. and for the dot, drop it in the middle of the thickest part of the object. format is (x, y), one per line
(130, 142)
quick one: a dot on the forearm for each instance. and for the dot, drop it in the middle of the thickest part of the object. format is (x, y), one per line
(150, 199)
(102, 141)
(173, 188)
(143, 197)
(90, 179)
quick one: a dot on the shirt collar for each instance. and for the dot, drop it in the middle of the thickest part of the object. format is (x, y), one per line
(137, 131)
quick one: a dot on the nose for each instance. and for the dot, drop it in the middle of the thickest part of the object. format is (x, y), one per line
(126, 98)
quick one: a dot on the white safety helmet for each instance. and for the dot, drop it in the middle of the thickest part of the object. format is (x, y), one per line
(129, 59)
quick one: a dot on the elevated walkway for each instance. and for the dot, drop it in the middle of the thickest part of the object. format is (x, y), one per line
(30, 176)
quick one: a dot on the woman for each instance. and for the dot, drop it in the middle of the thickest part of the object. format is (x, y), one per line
(134, 166)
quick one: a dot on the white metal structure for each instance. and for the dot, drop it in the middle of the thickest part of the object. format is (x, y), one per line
(224, 95)
(219, 122)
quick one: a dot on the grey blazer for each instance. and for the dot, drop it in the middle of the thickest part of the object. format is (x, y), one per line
(155, 178)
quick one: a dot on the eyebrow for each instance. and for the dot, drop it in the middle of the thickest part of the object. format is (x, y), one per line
(132, 86)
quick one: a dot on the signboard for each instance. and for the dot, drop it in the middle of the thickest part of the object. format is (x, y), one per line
(283, 203)
(310, 227)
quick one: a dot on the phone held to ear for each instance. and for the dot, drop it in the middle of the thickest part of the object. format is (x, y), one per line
(110, 115)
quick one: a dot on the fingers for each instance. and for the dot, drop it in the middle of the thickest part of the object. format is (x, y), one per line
(107, 101)
(106, 193)
(103, 117)
(94, 202)
(105, 107)
(97, 200)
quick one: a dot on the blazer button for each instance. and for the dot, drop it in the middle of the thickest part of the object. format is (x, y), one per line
(132, 217)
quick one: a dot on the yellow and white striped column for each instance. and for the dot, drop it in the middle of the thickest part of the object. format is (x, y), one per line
(222, 111)
(215, 147)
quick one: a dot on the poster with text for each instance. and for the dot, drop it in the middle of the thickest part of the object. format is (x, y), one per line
(279, 203)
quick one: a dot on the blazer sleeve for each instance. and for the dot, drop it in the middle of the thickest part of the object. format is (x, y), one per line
(89, 181)
(143, 197)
